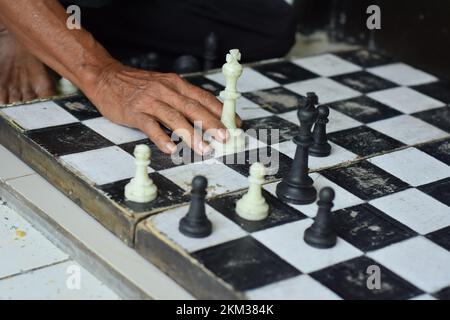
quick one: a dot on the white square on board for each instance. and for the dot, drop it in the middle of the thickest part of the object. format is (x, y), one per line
(221, 179)
(408, 129)
(287, 241)
(415, 209)
(337, 120)
(337, 156)
(327, 65)
(301, 287)
(412, 166)
(250, 80)
(113, 132)
(405, 100)
(402, 74)
(419, 261)
(223, 229)
(102, 166)
(39, 115)
(343, 198)
(326, 89)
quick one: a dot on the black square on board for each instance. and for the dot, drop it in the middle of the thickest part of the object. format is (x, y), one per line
(280, 213)
(439, 117)
(439, 149)
(68, 139)
(439, 190)
(365, 180)
(439, 90)
(205, 84)
(276, 100)
(349, 280)
(79, 106)
(364, 109)
(169, 194)
(277, 163)
(443, 294)
(364, 82)
(365, 58)
(284, 72)
(364, 141)
(441, 237)
(270, 130)
(368, 229)
(245, 263)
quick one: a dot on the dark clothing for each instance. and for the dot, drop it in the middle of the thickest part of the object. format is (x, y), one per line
(261, 29)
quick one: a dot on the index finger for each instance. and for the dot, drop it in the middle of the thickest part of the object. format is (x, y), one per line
(208, 100)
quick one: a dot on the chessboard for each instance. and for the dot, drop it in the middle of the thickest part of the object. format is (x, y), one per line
(389, 129)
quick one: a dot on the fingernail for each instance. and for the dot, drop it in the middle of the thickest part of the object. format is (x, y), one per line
(204, 148)
(223, 134)
(171, 147)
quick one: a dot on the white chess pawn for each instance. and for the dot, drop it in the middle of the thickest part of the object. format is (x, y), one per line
(252, 206)
(141, 188)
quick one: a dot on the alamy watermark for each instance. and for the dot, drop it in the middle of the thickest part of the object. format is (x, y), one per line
(73, 22)
(374, 20)
(373, 281)
(73, 281)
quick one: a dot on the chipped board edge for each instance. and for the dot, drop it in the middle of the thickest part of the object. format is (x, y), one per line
(109, 214)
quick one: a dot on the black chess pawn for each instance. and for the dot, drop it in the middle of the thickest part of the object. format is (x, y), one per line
(186, 64)
(210, 55)
(321, 233)
(297, 186)
(320, 147)
(195, 223)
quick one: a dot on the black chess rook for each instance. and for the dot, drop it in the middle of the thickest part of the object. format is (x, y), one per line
(320, 146)
(195, 223)
(321, 234)
(297, 186)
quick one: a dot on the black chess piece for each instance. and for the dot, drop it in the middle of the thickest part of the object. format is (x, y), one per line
(186, 64)
(151, 61)
(210, 55)
(195, 223)
(320, 147)
(297, 186)
(321, 233)
(311, 100)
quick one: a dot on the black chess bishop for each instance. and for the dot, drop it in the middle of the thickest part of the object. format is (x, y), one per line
(195, 223)
(297, 186)
(321, 233)
(320, 146)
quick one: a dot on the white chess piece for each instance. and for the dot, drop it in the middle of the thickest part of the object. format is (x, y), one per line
(141, 188)
(66, 87)
(232, 70)
(252, 206)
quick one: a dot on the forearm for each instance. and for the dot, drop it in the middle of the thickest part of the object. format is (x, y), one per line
(41, 27)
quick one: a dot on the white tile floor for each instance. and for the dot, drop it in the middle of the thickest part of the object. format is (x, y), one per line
(31, 267)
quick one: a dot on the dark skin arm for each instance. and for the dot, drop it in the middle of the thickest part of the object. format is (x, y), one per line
(128, 96)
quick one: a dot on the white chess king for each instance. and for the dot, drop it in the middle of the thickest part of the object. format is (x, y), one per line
(232, 70)
(252, 206)
(141, 188)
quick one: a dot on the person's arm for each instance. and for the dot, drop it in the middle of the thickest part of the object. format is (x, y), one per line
(128, 96)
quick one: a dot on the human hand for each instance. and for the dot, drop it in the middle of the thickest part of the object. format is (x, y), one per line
(144, 100)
